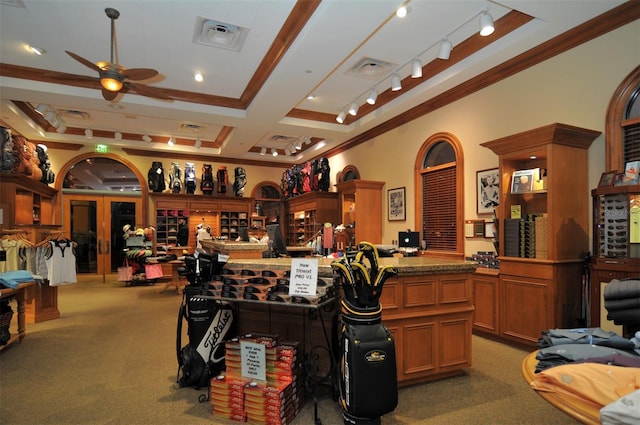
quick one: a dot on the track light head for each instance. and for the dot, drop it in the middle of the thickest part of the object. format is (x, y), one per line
(486, 24)
(341, 116)
(396, 84)
(445, 49)
(198, 143)
(373, 96)
(416, 68)
(88, 133)
(263, 151)
(274, 152)
(171, 141)
(61, 128)
(117, 135)
(353, 108)
(146, 138)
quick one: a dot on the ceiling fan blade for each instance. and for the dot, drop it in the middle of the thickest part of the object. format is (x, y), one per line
(139, 73)
(109, 95)
(84, 61)
(148, 91)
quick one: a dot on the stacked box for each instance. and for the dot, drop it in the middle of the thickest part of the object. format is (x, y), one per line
(512, 237)
(542, 237)
(527, 239)
(227, 397)
(270, 404)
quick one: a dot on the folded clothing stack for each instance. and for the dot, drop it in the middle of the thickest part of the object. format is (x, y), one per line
(622, 301)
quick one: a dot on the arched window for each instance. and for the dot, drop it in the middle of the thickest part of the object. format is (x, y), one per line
(267, 198)
(350, 172)
(622, 130)
(439, 195)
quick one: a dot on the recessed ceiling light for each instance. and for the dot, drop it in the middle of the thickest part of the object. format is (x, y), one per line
(402, 11)
(39, 51)
(198, 77)
(310, 97)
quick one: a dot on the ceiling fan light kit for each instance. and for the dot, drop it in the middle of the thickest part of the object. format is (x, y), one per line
(113, 77)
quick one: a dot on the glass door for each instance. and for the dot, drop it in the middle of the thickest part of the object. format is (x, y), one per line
(95, 223)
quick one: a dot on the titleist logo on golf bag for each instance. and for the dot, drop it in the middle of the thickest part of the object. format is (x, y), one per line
(219, 328)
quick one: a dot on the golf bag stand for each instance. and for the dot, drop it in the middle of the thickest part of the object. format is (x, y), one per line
(368, 381)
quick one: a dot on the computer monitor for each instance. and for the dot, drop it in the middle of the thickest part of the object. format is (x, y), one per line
(243, 234)
(408, 239)
(276, 240)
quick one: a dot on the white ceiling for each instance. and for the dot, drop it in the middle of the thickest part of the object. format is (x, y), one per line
(159, 34)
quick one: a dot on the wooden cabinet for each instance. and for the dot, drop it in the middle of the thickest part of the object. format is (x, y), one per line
(361, 210)
(430, 317)
(307, 213)
(29, 206)
(616, 243)
(222, 215)
(486, 297)
(541, 254)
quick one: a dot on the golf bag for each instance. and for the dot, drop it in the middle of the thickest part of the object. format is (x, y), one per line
(189, 177)
(209, 324)
(156, 177)
(223, 179)
(367, 359)
(369, 387)
(175, 177)
(206, 183)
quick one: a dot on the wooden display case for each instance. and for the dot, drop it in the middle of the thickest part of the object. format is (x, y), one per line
(541, 263)
(223, 215)
(307, 213)
(361, 210)
(29, 206)
(616, 243)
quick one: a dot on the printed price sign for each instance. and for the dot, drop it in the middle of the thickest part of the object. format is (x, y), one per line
(253, 359)
(304, 277)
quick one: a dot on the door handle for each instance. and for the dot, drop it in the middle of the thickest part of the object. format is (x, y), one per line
(107, 247)
(100, 246)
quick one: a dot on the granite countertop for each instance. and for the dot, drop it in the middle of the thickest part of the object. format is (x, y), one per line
(221, 245)
(405, 265)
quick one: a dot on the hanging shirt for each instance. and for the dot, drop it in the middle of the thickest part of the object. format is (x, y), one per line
(61, 264)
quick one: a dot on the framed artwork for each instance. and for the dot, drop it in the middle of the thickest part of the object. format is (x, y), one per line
(487, 190)
(396, 201)
(618, 179)
(522, 181)
(631, 173)
(606, 179)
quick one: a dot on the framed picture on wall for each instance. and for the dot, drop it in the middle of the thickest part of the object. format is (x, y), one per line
(606, 179)
(487, 190)
(396, 202)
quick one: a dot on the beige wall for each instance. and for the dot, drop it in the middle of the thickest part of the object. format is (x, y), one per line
(573, 88)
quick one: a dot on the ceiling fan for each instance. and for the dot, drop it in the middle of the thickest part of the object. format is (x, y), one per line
(113, 76)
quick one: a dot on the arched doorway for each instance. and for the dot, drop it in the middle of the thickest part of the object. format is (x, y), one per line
(100, 194)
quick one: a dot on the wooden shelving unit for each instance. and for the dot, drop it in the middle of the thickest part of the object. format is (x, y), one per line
(361, 210)
(543, 291)
(307, 213)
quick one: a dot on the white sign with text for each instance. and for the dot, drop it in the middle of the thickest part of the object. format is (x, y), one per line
(304, 277)
(253, 357)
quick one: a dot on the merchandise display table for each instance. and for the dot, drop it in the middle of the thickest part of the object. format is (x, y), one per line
(170, 270)
(18, 294)
(579, 411)
(428, 307)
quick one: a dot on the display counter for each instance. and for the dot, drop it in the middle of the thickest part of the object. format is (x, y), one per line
(241, 250)
(427, 307)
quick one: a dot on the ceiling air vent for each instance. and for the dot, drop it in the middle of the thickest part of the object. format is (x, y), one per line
(190, 128)
(370, 68)
(73, 114)
(219, 34)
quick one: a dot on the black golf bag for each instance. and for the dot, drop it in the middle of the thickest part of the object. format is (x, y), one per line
(206, 183)
(367, 359)
(369, 386)
(156, 177)
(209, 324)
(223, 179)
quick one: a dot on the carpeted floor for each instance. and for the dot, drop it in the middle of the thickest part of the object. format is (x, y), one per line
(110, 359)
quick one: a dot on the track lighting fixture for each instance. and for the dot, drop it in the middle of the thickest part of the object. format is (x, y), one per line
(298, 145)
(50, 115)
(486, 24)
(353, 108)
(146, 138)
(416, 68)
(307, 140)
(88, 133)
(62, 127)
(373, 96)
(445, 49)
(263, 151)
(117, 135)
(198, 143)
(341, 116)
(274, 152)
(171, 141)
(38, 51)
(42, 109)
(198, 77)
(395, 82)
